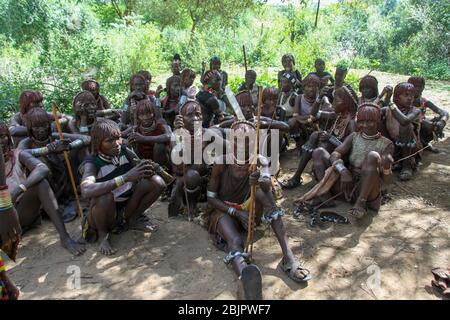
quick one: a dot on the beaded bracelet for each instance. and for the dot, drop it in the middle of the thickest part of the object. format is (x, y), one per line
(5, 200)
(39, 151)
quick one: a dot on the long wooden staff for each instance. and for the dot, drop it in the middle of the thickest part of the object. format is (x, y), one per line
(245, 58)
(251, 212)
(66, 158)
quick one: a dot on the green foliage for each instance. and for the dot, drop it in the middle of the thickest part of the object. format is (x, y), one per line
(52, 46)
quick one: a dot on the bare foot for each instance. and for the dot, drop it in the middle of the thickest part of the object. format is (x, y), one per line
(73, 247)
(13, 291)
(81, 240)
(106, 248)
(143, 225)
(192, 212)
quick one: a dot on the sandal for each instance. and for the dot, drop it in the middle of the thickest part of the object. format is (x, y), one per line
(291, 183)
(252, 282)
(441, 280)
(292, 267)
(357, 213)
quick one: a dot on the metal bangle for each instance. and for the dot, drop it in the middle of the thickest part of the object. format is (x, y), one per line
(22, 186)
(211, 194)
(340, 167)
(231, 211)
(75, 144)
(119, 181)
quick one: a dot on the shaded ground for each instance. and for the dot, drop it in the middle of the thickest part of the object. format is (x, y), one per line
(408, 237)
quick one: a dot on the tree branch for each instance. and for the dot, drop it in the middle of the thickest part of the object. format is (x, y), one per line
(117, 8)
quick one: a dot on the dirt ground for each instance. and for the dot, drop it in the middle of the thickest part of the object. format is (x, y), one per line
(408, 237)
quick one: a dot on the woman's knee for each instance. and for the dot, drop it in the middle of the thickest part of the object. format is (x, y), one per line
(373, 158)
(319, 154)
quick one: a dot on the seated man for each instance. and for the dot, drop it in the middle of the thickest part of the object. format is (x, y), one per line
(360, 178)
(250, 86)
(287, 97)
(368, 86)
(290, 73)
(228, 199)
(26, 178)
(119, 186)
(212, 107)
(215, 65)
(324, 76)
(429, 127)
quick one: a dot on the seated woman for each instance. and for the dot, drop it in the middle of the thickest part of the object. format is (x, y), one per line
(368, 86)
(170, 104)
(151, 136)
(120, 188)
(37, 143)
(94, 87)
(345, 105)
(148, 80)
(27, 101)
(360, 178)
(85, 108)
(402, 125)
(428, 127)
(228, 198)
(26, 178)
(138, 91)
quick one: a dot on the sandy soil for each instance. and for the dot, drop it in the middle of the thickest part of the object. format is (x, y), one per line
(408, 237)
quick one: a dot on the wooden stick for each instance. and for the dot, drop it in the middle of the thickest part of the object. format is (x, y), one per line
(317, 14)
(251, 213)
(66, 158)
(412, 155)
(245, 58)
